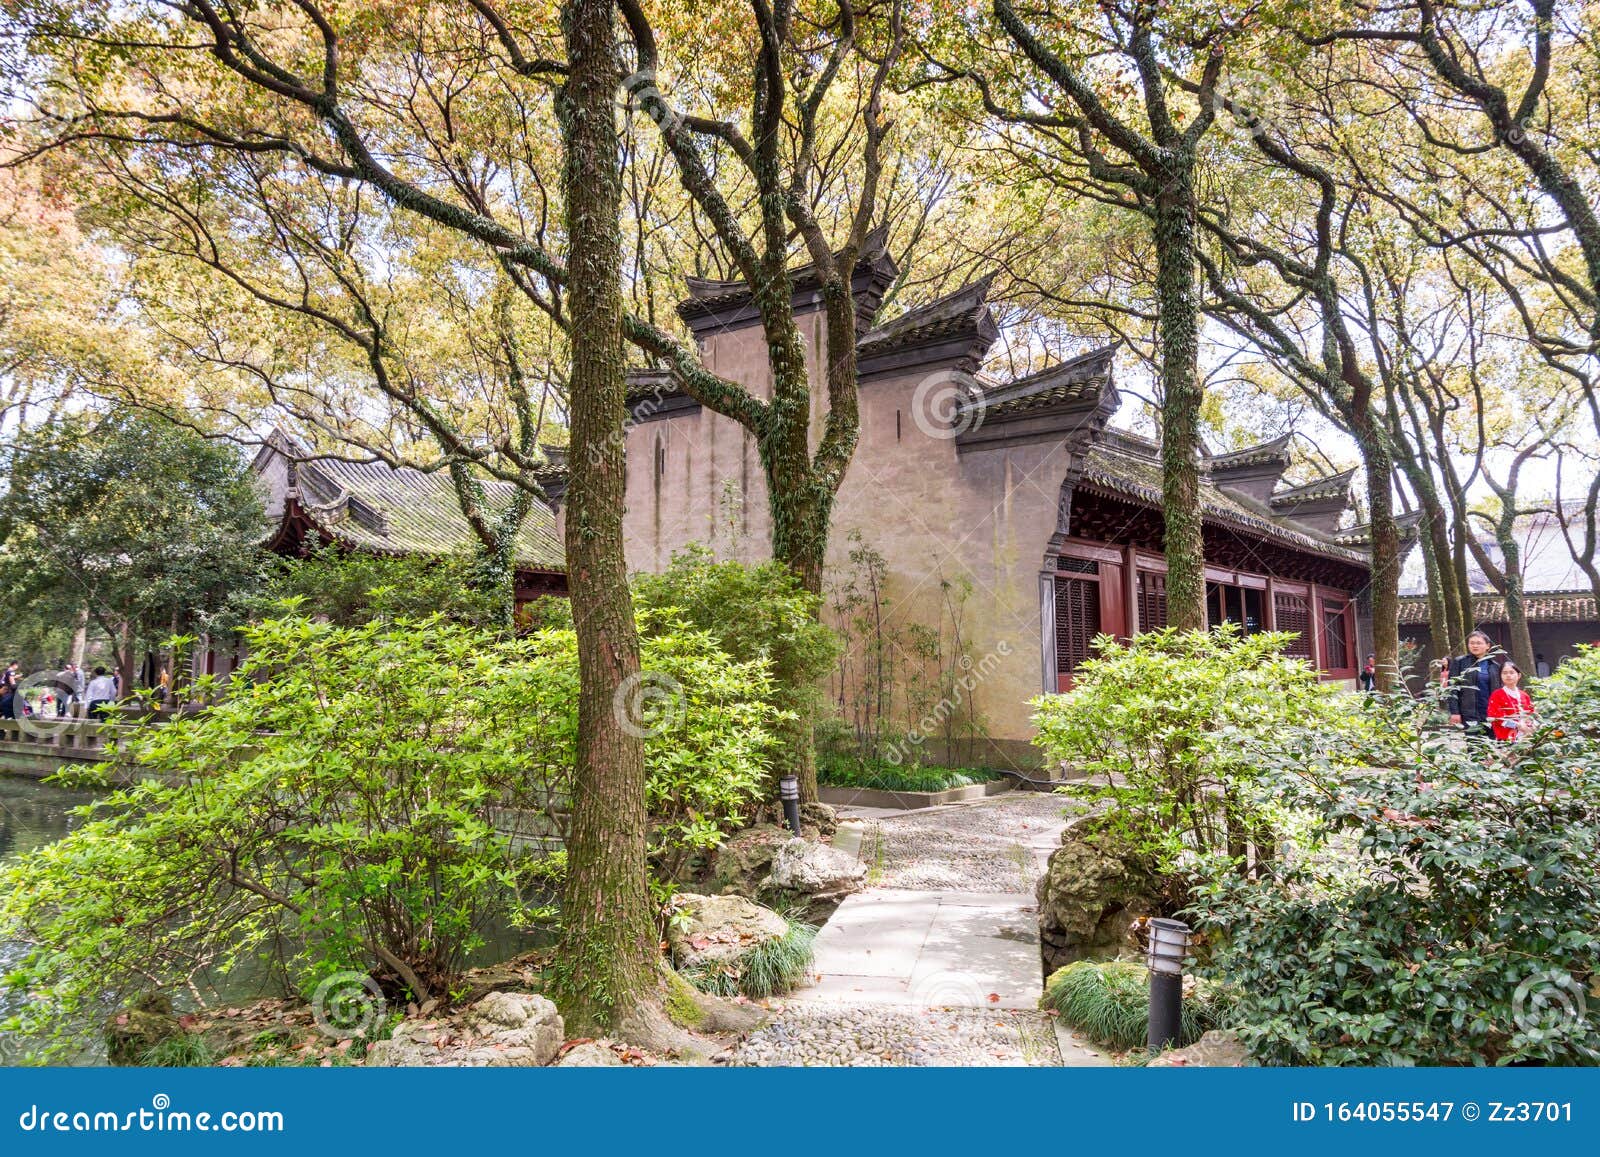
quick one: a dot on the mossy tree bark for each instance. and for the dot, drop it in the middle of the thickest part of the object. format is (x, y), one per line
(802, 480)
(608, 951)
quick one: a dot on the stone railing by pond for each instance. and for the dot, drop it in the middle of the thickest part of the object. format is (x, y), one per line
(40, 748)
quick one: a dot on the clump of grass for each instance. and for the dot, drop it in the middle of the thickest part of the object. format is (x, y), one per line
(769, 969)
(183, 1051)
(853, 771)
(1109, 1001)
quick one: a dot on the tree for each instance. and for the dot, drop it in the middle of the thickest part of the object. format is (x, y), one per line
(609, 939)
(1085, 118)
(148, 525)
(787, 181)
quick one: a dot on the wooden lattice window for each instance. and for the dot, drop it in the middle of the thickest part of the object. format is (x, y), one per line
(1335, 636)
(1152, 600)
(1077, 621)
(1293, 613)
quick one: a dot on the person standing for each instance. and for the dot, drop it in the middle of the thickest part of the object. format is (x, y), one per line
(1510, 707)
(102, 692)
(1369, 674)
(1540, 667)
(1473, 678)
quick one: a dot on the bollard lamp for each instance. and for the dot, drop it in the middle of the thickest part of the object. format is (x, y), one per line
(789, 793)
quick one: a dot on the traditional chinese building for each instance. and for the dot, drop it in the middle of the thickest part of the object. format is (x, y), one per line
(1023, 489)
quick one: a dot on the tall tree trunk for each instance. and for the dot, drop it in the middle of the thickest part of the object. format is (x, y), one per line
(1511, 586)
(608, 951)
(1385, 550)
(1178, 308)
(1439, 637)
(1460, 533)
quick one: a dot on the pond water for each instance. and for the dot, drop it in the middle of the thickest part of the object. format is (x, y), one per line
(33, 814)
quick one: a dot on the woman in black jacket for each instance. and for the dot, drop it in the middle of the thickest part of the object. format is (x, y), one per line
(1473, 678)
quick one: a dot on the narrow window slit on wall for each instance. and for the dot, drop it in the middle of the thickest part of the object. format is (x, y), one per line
(897, 425)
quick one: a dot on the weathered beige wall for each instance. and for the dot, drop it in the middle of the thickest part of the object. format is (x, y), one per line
(983, 516)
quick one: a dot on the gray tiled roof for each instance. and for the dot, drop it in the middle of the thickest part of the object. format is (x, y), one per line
(1333, 486)
(1086, 378)
(1543, 607)
(372, 507)
(1128, 465)
(1274, 452)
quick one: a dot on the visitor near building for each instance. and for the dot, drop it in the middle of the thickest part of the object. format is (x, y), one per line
(1474, 677)
(1510, 707)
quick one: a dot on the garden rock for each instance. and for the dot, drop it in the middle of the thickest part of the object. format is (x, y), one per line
(745, 858)
(145, 1022)
(1219, 1048)
(821, 816)
(589, 1055)
(707, 931)
(503, 1030)
(1088, 902)
(815, 870)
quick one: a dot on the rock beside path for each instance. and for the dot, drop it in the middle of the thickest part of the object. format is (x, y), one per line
(1088, 903)
(708, 931)
(1219, 1048)
(503, 1030)
(816, 870)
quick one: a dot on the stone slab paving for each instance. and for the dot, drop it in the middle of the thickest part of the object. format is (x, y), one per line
(937, 962)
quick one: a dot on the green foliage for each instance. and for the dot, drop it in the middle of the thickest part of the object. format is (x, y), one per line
(349, 588)
(838, 769)
(769, 969)
(1159, 725)
(1110, 1002)
(755, 613)
(183, 1051)
(146, 524)
(1439, 914)
(1572, 692)
(346, 802)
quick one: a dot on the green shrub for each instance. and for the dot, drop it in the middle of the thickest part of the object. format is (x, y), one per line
(1109, 1001)
(1572, 693)
(342, 806)
(184, 1051)
(839, 770)
(1443, 914)
(755, 613)
(1160, 724)
(769, 969)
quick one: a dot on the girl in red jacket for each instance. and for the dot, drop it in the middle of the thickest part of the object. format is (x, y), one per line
(1510, 707)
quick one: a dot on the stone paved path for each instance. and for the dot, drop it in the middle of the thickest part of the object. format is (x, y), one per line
(937, 962)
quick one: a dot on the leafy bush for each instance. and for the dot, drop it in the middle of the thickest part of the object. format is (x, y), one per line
(771, 968)
(755, 613)
(1572, 693)
(1159, 725)
(345, 806)
(350, 589)
(1444, 914)
(840, 770)
(1110, 1002)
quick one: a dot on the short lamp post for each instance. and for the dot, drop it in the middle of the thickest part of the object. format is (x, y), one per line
(1168, 945)
(789, 793)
